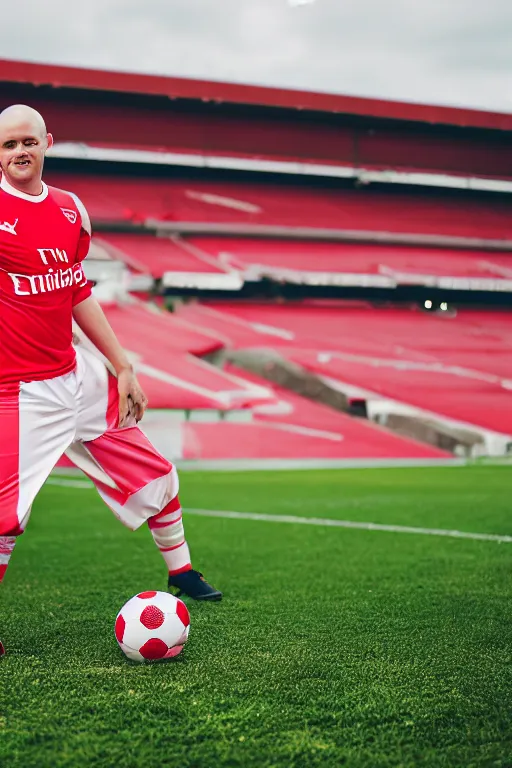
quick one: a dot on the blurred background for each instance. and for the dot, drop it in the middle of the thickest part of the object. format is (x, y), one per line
(301, 213)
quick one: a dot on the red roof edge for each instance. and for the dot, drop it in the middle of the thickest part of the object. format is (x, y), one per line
(58, 76)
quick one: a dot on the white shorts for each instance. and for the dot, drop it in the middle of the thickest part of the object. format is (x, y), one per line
(77, 414)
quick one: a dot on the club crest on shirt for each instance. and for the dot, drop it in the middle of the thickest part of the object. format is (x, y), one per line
(11, 228)
(69, 214)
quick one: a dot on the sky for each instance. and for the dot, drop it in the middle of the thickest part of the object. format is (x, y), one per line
(449, 52)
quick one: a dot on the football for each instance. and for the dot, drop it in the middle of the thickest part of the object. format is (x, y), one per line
(152, 626)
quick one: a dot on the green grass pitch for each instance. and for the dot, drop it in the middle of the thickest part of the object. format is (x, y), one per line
(332, 647)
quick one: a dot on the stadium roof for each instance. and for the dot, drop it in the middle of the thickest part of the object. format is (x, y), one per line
(209, 91)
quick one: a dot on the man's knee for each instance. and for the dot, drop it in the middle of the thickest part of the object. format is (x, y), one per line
(149, 501)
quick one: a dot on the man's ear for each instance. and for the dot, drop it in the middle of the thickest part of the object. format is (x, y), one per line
(49, 139)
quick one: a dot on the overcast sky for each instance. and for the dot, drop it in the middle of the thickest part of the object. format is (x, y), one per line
(455, 52)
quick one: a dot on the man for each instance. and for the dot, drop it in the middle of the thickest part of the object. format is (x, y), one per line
(55, 398)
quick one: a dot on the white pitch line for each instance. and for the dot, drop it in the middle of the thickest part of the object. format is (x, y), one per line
(501, 539)
(321, 521)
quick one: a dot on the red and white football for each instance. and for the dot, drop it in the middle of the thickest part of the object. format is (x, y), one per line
(152, 626)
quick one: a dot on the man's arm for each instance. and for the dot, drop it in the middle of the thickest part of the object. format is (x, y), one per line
(90, 317)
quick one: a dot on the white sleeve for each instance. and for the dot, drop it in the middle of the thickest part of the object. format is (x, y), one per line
(86, 221)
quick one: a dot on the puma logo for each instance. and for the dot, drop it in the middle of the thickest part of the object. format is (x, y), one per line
(11, 228)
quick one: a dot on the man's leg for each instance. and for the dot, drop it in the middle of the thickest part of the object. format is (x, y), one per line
(37, 426)
(136, 482)
(141, 486)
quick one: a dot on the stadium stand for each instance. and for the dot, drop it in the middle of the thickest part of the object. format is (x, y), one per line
(164, 113)
(457, 367)
(309, 262)
(158, 255)
(114, 198)
(275, 440)
(354, 263)
(207, 188)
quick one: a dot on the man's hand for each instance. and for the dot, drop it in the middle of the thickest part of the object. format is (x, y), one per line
(132, 400)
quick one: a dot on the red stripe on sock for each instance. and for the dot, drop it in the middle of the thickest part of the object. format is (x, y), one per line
(154, 524)
(3, 569)
(181, 570)
(173, 506)
(171, 549)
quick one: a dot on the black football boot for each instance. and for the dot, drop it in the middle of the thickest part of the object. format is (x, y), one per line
(194, 585)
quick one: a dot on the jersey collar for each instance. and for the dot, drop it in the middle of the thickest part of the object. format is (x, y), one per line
(4, 184)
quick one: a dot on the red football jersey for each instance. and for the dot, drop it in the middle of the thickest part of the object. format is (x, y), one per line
(43, 241)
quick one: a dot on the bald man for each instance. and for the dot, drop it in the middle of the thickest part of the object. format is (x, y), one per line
(56, 398)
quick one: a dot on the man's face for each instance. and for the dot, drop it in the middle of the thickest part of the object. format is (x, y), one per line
(22, 148)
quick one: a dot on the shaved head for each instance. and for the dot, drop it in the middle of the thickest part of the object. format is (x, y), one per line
(22, 115)
(23, 144)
